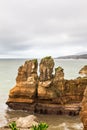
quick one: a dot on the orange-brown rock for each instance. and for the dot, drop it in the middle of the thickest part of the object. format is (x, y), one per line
(46, 92)
(27, 70)
(46, 68)
(83, 113)
(59, 74)
(83, 71)
(25, 90)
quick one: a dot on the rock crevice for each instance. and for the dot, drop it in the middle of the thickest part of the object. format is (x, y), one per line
(46, 93)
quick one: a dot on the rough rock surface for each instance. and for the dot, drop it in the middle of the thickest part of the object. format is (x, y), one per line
(59, 74)
(25, 91)
(26, 122)
(83, 70)
(46, 68)
(23, 123)
(83, 113)
(47, 93)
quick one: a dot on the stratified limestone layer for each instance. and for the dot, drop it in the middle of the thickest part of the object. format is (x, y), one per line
(47, 93)
(23, 94)
(83, 113)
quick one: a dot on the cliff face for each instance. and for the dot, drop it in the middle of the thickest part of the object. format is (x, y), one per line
(46, 93)
(83, 113)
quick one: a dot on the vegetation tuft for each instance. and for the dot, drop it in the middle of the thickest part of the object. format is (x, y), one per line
(13, 126)
(41, 126)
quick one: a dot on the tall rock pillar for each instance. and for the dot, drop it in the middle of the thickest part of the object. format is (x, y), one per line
(23, 94)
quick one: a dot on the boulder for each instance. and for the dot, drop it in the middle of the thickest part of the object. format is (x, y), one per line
(26, 122)
(22, 123)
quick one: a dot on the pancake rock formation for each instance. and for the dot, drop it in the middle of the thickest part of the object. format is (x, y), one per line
(83, 113)
(47, 93)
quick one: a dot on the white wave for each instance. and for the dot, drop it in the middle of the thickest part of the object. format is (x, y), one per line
(77, 126)
(3, 121)
(62, 126)
(68, 126)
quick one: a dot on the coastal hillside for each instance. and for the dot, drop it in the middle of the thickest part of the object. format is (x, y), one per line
(82, 56)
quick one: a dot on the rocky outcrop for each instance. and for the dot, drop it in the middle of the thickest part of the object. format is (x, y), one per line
(25, 91)
(47, 93)
(46, 68)
(59, 74)
(83, 113)
(83, 71)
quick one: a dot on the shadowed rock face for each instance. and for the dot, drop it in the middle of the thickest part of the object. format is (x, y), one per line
(46, 68)
(47, 93)
(59, 74)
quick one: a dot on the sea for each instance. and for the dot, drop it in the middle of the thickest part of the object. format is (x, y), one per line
(8, 73)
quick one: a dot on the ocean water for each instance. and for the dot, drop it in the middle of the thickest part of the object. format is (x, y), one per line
(8, 73)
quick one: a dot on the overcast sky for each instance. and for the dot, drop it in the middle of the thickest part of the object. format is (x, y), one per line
(37, 28)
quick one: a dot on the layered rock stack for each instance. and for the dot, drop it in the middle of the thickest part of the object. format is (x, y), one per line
(24, 93)
(45, 83)
(46, 93)
(83, 113)
(46, 68)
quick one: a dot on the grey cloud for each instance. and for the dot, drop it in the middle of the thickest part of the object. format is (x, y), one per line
(34, 25)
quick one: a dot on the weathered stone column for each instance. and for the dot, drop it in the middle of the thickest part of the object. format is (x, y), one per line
(23, 94)
(45, 84)
(46, 68)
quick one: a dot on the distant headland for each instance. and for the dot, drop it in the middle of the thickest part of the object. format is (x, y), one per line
(78, 56)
